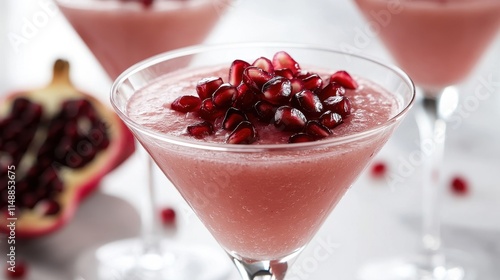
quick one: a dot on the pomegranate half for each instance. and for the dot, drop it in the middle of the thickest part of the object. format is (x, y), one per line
(56, 144)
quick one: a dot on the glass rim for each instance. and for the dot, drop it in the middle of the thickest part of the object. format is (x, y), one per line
(180, 141)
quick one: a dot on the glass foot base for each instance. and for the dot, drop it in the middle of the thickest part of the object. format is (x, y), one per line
(458, 266)
(122, 260)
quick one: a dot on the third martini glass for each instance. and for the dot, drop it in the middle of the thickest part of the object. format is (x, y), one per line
(438, 43)
(262, 202)
(120, 33)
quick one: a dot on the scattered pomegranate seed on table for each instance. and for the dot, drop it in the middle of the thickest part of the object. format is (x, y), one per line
(168, 216)
(378, 169)
(18, 272)
(459, 185)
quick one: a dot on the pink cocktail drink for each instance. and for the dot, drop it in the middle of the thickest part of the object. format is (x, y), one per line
(262, 186)
(438, 42)
(264, 205)
(122, 33)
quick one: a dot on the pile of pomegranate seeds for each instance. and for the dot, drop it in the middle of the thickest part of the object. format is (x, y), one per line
(276, 92)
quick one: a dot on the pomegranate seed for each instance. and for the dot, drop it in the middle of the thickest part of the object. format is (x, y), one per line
(17, 272)
(103, 144)
(207, 86)
(312, 82)
(75, 108)
(147, 3)
(186, 103)
(11, 147)
(297, 85)
(12, 130)
(33, 114)
(49, 207)
(265, 111)
(284, 72)
(316, 129)
(29, 200)
(236, 71)
(307, 101)
(255, 78)
(233, 118)
(168, 216)
(264, 64)
(55, 129)
(19, 106)
(302, 74)
(244, 133)
(224, 96)
(330, 119)
(5, 122)
(200, 130)
(332, 89)
(277, 90)
(289, 119)
(71, 131)
(22, 186)
(208, 111)
(338, 104)
(459, 185)
(33, 172)
(83, 106)
(344, 79)
(49, 175)
(283, 60)
(300, 138)
(378, 169)
(245, 97)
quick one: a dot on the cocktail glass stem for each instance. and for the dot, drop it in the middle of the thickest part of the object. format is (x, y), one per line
(149, 218)
(260, 270)
(432, 128)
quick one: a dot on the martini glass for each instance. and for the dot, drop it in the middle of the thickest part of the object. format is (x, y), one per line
(262, 203)
(438, 43)
(119, 34)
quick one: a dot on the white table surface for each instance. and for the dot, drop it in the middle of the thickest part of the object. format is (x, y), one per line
(372, 222)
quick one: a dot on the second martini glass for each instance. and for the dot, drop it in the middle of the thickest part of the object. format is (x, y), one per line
(263, 203)
(121, 33)
(438, 43)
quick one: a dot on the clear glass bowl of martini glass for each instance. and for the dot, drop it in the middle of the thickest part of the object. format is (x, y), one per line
(263, 202)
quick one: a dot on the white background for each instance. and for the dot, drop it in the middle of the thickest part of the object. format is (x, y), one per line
(373, 221)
